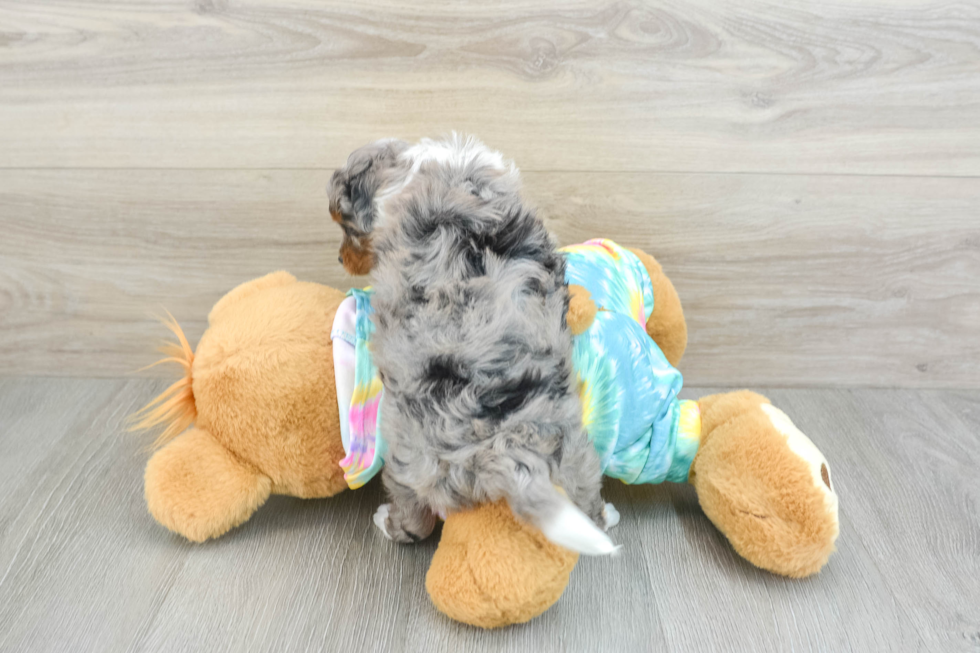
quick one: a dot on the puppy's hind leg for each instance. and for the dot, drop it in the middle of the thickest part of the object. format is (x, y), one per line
(407, 519)
(581, 477)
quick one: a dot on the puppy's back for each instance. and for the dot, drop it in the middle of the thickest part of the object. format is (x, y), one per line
(472, 339)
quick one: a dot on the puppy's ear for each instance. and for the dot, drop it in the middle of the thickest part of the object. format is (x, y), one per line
(353, 188)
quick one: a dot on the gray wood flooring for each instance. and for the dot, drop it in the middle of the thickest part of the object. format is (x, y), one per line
(83, 567)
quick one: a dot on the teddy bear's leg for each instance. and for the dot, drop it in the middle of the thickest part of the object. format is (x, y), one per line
(666, 324)
(493, 570)
(764, 484)
(197, 488)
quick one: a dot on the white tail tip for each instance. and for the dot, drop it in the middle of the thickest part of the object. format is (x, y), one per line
(572, 529)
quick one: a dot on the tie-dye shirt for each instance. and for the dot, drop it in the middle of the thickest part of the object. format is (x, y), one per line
(367, 448)
(642, 432)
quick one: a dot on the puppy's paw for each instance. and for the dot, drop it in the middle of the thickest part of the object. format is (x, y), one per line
(610, 515)
(381, 519)
(404, 527)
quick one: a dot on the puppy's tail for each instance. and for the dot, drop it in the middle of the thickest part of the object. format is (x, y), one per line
(532, 496)
(567, 526)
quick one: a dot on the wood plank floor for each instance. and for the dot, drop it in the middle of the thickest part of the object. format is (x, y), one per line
(84, 568)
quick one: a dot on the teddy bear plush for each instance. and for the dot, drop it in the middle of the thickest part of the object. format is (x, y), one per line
(256, 412)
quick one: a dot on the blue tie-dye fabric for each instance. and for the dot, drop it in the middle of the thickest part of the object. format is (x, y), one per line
(642, 432)
(614, 277)
(629, 390)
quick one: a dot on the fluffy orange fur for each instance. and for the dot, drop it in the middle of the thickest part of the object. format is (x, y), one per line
(196, 487)
(492, 570)
(581, 309)
(260, 391)
(357, 260)
(756, 491)
(174, 408)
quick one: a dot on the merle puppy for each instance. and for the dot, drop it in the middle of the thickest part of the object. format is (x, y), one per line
(471, 341)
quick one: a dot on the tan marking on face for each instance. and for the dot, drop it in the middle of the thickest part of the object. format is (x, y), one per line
(804, 448)
(358, 260)
(335, 215)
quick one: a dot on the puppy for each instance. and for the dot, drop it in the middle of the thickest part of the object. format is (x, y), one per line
(470, 340)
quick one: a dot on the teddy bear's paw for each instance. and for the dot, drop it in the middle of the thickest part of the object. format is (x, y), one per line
(611, 515)
(581, 309)
(381, 519)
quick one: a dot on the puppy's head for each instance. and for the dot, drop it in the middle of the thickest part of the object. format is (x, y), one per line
(354, 193)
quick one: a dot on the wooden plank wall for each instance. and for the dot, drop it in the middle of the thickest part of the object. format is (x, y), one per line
(808, 173)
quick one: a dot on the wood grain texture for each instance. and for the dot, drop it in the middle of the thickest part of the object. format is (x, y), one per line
(786, 279)
(808, 174)
(854, 87)
(83, 567)
(917, 453)
(800, 280)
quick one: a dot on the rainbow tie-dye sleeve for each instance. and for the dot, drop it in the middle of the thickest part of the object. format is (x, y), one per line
(367, 446)
(687, 439)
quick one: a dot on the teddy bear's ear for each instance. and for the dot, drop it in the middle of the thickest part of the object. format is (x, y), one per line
(195, 487)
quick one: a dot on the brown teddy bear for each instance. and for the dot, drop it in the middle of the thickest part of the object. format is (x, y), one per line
(254, 414)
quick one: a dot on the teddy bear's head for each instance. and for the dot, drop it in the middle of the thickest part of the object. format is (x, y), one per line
(765, 485)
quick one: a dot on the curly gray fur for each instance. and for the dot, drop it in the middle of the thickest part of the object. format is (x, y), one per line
(471, 338)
